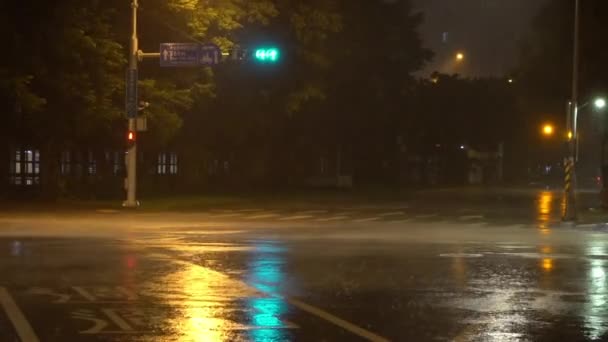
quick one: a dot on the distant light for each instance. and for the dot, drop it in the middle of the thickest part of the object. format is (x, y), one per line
(548, 130)
(460, 56)
(462, 147)
(444, 37)
(570, 135)
(510, 80)
(600, 103)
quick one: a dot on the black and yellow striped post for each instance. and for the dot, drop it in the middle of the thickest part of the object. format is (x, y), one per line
(569, 213)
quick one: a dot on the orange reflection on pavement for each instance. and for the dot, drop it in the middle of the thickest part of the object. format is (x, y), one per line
(544, 210)
(547, 264)
(204, 302)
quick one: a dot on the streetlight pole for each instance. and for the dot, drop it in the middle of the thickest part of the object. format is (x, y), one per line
(131, 181)
(570, 163)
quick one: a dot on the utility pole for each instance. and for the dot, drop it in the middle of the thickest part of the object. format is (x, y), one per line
(131, 181)
(570, 162)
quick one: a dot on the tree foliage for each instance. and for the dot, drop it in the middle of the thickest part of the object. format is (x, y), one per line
(345, 83)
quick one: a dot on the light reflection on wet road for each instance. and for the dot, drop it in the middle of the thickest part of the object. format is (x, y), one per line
(414, 281)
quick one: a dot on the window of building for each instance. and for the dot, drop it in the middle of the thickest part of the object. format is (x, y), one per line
(91, 164)
(65, 163)
(118, 163)
(25, 167)
(166, 164)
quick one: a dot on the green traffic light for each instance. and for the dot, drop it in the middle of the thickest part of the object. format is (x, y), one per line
(271, 55)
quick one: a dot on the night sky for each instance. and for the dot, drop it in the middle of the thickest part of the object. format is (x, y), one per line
(487, 31)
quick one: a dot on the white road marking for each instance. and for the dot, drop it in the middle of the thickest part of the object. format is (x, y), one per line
(368, 219)
(471, 217)
(395, 213)
(107, 211)
(262, 216)
(15, 315)
(333, 218)
(401, 221)
(84, 293)
(366, 334)
(313, 212)
(121, 323)
(252, 291)
(460, 255)
(248, 210)
(426, 216)
(225, 215)
(297, 217)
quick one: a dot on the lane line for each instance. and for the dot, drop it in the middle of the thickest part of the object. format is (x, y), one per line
(333, 218)
(426, 216)
(225, 215)
(307, 212)
(394, 213)
(313, 310)
(401, 221)
(366, 334)
(297, 217)
(369, 219)
(262, 216)
(15, 315)
(471, 217)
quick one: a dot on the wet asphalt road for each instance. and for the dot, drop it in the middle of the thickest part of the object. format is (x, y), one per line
(491, 267)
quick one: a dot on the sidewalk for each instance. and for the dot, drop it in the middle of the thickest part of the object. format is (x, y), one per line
(292, 200)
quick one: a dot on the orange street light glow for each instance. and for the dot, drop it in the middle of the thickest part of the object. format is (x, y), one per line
(548, 130)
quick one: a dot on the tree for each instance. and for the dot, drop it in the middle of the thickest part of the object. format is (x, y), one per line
(545, 73)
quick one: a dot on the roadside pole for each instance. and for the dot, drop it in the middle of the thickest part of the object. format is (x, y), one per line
(131, 181)
(171, 55)
(570, 161)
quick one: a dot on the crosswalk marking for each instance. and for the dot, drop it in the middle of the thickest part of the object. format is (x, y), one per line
(426, 216)
(225, 215)
(297, 217)
(344, 213)
(307, 212)
(368, 219)
(471, 217)
(262, 216)
(401, 221)
(394, 213)
(333, 218)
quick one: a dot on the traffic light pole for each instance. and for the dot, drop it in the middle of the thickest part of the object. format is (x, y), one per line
(212, 57)
(131, 158)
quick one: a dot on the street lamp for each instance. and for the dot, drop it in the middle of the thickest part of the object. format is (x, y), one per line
(599, 103)
(459, 56)
(548, 130)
